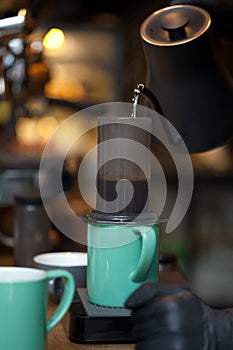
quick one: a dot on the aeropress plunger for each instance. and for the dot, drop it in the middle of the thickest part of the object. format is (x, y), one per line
(124, 174)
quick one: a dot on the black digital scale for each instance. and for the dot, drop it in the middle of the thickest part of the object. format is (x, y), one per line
(90, 323)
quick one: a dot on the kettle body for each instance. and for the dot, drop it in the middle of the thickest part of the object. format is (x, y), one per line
(187, 75)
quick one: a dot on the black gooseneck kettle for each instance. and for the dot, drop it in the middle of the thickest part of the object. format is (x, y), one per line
(188, 76)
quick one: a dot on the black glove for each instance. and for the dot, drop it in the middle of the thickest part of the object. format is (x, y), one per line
(166, 317)
(221, 12)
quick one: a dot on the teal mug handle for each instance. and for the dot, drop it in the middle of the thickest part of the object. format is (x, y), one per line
(67, 297)
(148, 252)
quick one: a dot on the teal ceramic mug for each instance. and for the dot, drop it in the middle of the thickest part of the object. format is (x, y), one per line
(120, 259)
(23, 306)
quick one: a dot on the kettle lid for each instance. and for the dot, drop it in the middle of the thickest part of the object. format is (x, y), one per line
(175, 25)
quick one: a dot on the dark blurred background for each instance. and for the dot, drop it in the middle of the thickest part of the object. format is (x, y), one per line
(102, 60)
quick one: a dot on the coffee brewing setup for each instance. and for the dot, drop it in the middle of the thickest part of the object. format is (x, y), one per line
(122, 232)
(180, 54)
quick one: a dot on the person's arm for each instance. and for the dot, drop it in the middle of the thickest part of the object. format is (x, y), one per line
(167, 317)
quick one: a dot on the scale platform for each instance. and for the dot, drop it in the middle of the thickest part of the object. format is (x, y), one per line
(90, 323)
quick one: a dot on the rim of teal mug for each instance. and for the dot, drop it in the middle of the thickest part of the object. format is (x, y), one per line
(46, 259)
(18, 274)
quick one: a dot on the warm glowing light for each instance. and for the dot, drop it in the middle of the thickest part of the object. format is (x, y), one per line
(54, 39)
(33, 131)
(46, 127)
(26, 130)
(22, 12)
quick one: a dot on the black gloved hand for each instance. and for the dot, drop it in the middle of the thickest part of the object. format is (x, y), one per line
(166, 317)
(221, 12)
